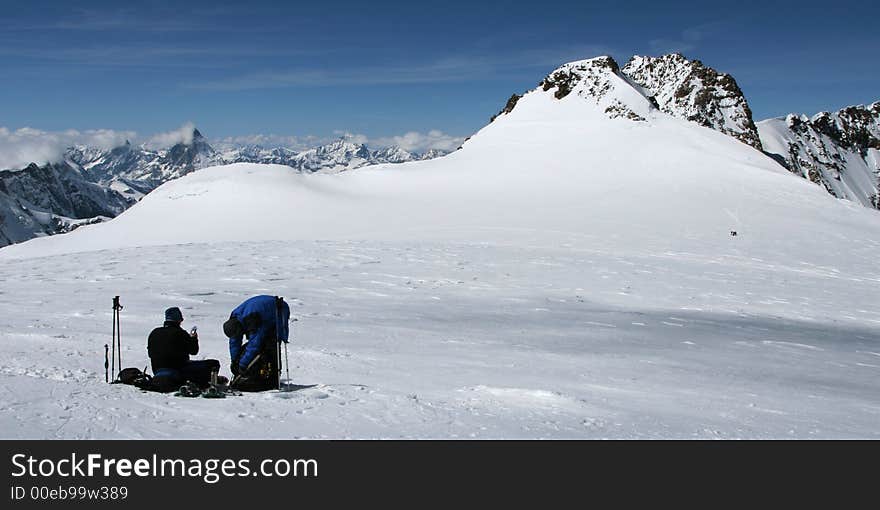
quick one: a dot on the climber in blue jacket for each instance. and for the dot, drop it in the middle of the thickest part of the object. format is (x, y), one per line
(256, 362)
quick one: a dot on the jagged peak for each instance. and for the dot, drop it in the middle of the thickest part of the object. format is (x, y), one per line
(690, 90)
(598, 80)
(340, 144)
(855, 127)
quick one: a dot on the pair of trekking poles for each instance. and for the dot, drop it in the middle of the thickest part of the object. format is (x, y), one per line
(117, 345)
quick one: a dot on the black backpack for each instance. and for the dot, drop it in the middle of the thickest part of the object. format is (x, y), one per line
(134, 377)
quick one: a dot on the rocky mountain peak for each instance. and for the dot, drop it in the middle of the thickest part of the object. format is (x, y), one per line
(589, 78)
(690, 90)
(596, 80)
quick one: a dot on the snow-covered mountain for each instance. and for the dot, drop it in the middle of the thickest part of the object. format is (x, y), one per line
(142, 169)
(338, 156)
(839, 151)
(252, 153)
(568, 273)
(591, 131)
(682, 88)
(334, 157)
(690, 90)
(51, 199)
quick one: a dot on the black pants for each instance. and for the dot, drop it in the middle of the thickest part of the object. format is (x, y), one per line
(199, 371)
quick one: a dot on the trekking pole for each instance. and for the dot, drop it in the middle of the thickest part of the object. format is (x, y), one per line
(286, 363)
(117, 346)
(278, 301)
(287, 359)
(106, 363)
(113, 341)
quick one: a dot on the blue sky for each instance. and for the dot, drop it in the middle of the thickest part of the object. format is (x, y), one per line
(381, 69)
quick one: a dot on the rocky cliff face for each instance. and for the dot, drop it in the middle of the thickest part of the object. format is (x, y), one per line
(839, 151)
(690, 90)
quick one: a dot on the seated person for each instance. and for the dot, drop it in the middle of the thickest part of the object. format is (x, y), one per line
(256, 364)
(170, 347)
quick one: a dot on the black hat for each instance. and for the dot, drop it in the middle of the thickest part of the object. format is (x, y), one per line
(233, 328)
(173, 314)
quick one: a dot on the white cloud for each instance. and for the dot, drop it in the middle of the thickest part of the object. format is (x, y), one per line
(414, 141)
(20, 147)
(183, 134)
(287, 141)
(353, 137)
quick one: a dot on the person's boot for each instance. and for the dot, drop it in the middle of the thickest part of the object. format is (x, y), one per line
(189, 389)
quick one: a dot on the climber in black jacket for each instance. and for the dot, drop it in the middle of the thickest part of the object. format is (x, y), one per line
(170, 347)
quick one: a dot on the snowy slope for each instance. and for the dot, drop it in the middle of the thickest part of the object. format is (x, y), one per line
(568, 273)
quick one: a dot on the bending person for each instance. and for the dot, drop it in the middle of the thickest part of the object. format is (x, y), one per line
(255, 364)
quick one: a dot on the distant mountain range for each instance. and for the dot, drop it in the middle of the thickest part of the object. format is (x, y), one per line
(839, 151)
(91, 185)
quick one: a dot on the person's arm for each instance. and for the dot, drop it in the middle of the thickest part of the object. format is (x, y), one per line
(253, 347)
(192, 344)
(235, 347)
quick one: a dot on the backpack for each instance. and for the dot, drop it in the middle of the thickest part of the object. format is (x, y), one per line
(134, 377)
